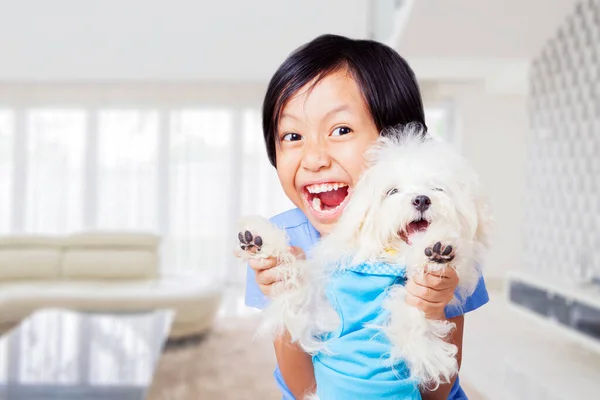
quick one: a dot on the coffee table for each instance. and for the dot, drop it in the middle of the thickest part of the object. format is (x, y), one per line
(62, 355)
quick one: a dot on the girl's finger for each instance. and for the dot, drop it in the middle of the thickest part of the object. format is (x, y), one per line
(267, 276)
(434, 281)
(260, 264)
(428, 294)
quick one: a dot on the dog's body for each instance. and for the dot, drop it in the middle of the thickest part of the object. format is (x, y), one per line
(416, 208)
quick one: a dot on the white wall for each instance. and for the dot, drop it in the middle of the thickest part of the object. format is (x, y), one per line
(492, 136)
(237, 95)
(176, 40)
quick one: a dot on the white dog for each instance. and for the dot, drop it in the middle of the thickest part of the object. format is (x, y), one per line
(418, 206)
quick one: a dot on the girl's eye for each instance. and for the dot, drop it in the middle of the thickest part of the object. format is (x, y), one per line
(291, 137)
(342, 130)
(392, 191)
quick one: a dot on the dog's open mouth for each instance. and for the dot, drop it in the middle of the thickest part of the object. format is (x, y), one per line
(418, 225)
(326, 197)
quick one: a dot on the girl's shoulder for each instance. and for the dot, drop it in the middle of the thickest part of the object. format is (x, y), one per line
(300, 231)
(290, 219)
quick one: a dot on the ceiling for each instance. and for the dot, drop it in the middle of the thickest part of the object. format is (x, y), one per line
(242, 41)
(157, 40)
(491, 40)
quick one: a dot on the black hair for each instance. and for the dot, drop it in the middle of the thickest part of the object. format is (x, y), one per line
(385, 79)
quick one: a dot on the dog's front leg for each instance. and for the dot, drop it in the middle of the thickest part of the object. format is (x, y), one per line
(417, 340)
(299, 305)
(259, 239)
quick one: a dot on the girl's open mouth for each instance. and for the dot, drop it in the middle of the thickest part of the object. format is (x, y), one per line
(326, 200)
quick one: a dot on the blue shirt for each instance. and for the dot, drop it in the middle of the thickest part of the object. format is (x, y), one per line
(302, 234)
(356, 365)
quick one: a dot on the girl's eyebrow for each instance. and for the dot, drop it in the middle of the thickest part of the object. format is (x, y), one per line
(333, 111)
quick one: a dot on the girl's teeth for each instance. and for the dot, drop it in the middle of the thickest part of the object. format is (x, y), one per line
(325, 187)
(316, 203)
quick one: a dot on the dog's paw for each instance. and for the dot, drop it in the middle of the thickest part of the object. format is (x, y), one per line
(440, 254)
(249, 242)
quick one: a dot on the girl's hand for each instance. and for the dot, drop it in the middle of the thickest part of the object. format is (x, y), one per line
(266, 272)
(432, 291)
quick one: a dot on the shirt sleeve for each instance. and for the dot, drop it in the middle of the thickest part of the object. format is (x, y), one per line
(254, 297)
(477, 299)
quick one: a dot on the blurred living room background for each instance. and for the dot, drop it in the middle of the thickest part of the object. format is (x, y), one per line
(131, 143)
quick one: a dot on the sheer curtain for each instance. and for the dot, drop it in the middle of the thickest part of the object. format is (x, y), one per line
(127, 170)
(261, 192)
(54, 178)
(186, 174)
(200, 177)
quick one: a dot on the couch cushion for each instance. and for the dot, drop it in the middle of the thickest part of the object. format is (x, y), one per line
(107, 263)
(29, 263)
(29, 257)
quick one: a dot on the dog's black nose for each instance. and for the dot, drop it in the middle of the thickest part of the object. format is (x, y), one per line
(421, 203)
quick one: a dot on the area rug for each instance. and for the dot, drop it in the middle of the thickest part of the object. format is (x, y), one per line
(229, 363)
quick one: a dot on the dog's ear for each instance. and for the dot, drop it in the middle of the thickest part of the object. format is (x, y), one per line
(473, 209)
(485, 220)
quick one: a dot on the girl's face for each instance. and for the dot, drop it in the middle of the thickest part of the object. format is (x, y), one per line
(323, 134)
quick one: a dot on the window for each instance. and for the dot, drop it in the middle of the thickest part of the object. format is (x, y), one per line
(261, 191)
(55, 154)
(438, 123)
(200, 189)
(186, 174)
(127, 170)
(6, 169)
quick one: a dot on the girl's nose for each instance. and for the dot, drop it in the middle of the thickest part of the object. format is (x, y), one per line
(315, 158)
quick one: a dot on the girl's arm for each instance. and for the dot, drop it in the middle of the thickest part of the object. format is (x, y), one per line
(296, 367)
(456, 338)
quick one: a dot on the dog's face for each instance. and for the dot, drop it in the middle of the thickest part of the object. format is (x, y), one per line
(413, 185)
(419, 190)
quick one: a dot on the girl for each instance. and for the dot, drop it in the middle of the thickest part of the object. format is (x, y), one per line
(325, 105)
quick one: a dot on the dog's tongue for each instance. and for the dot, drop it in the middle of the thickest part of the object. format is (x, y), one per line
(417, 226)
(334, 198)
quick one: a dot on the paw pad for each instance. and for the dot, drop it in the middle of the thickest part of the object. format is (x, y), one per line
(250, 243)
(439, 253)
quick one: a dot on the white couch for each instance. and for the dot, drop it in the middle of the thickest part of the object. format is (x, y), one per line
(101, 271)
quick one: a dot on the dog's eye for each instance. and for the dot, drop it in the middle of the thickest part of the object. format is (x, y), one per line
(392, 191)
(438, 189)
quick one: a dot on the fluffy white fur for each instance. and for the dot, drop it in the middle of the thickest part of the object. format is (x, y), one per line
(370, 226)
(300, 305)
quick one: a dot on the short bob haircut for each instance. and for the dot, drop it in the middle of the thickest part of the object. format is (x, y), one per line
(387, 82)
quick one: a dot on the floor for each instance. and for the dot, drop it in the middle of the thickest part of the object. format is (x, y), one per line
(230, 363)
(511, 354)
